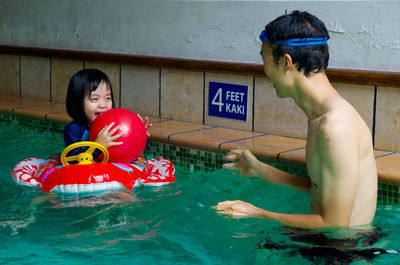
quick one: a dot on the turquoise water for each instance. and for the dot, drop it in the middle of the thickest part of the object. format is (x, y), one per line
(172, 224)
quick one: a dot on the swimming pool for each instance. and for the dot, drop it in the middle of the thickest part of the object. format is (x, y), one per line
(172, 224)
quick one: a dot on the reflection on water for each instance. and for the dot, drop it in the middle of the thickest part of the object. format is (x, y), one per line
(90, 200)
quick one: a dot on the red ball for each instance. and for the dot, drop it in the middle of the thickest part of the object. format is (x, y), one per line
(134, 136)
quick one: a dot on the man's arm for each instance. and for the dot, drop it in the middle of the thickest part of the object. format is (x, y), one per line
(338, 152)
(249, 166)
(244, 209)
(338, 149)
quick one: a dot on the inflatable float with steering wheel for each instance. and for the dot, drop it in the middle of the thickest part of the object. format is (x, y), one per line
(60, 175)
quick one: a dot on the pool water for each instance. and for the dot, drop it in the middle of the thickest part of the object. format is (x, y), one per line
(171, 224)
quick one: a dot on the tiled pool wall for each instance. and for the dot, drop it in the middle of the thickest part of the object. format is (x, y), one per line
(180, 94)
(189, 159)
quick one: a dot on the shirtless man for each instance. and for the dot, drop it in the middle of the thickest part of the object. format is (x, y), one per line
(339, 153)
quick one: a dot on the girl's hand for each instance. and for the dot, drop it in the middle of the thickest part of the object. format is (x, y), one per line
(147, 124)
(106, 138)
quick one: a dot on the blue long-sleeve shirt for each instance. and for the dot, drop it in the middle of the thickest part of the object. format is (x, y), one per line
(75, 132)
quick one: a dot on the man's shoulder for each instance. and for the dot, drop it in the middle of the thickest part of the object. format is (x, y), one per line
(334, 124)
(343, 128)
(343, 117)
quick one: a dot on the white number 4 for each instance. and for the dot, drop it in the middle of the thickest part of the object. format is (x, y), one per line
(217, 100)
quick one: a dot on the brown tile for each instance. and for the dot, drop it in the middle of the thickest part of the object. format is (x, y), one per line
(266, 146)
(379, 153)
(35, 77)
(209, 139)
(64, 117)
(153, 119)
(295, 156)
(11, 105)
(9, 98)
(182, 95)
(112, 70)
(9, 74)
(140, 89)
(61, 73)
(160, 131)
(361, 97)
(59, 117)
(230, 79)
(387, 119)
(389, 169)
(276, 115)
(40, 111)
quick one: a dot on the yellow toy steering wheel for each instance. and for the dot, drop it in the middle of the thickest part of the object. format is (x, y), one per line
(86, 157)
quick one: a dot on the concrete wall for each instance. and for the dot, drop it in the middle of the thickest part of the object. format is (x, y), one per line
(364, 34)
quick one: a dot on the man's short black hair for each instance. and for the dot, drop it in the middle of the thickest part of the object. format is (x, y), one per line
(300, 25)
(82, 84)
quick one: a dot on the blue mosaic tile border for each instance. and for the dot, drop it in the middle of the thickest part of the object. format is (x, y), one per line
(190, 159)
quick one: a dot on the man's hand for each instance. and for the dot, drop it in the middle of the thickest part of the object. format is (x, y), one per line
(238, 209)
(244, 162)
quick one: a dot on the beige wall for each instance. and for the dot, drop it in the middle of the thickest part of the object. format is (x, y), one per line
(183, 95)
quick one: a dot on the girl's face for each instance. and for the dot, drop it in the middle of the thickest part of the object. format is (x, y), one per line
(97, 102)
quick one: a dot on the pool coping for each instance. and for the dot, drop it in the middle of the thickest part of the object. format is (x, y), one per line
(215, 139)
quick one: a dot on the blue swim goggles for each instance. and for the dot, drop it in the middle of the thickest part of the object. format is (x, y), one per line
(297, 42)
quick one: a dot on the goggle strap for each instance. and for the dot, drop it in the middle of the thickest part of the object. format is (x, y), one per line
(296, 42)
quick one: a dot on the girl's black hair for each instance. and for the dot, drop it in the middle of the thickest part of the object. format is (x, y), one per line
(300, 25)
(81, 85)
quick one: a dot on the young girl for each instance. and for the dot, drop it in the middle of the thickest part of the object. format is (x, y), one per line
(90, 94)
